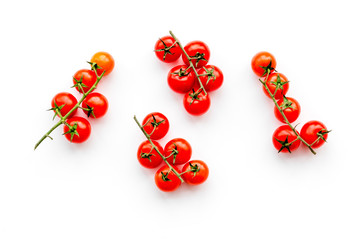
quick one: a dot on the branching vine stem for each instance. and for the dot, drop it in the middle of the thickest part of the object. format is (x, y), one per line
(157, 150)
(190, 62)
(63, 118)
(283, 114)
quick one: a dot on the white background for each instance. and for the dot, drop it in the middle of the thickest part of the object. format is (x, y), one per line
(97, 190)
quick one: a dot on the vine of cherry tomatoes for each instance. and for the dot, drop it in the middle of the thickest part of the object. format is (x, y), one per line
(176, 152)
(195, 77)
(77, 129)
(287, 109)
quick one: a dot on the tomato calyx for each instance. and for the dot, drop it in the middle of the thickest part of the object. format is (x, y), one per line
(285, 144)
(195, 95)
(209, 73)
(146, 155)
(155, 123)
(90, 111)
(57, 110)
(94, 66)
(72, 130)
(198, 57)
(79, 84)
(321, 134)
(194, 168)
(165, 176)
(181, 72)
(166, 49)
(174, 153)
(279, 84)
(286, 103)
(267, 69)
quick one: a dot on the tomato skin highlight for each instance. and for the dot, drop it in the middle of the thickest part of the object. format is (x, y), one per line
(161, 122)
(97, 102)
(183, 149)
(270, 83)
(309, 133)
(285, 133)
(291, 113)
(196, 48)
(64, 98)
(83, 129)
(171, 184)
(215, 81)
(198, 106)
(260, 61)
(87, 77)
(147, 156)
(105, 61)
(193, 178)
(179, 80)
(172, 54)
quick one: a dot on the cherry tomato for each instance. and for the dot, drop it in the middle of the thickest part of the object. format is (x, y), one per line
(167, 50)
(65, 102)
(211, 77)
(263, 63)
(156, 125)
(284, 139)
(195, 172)
(279, 81)
(84, 79)
(166, 180)
(199, 53)
(80, 130)
(290, 107)
(181, 79)
(148, 156)
(105, 61)
(96, 105)
(178, 151)
(315, 133)
(196, 102)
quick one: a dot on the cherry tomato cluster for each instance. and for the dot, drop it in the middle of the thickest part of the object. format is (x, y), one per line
(287, 109)
(77, 129)
(176, 152)
(195, 77)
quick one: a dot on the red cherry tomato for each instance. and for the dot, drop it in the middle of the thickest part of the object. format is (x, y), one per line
(211, 77)
(80, 130)
(148, 156)
(167, 50)
(314, 133)
(65, 102)
(196, 102)
(156, 125)
(84, 79)
(105, 61)
(178, 151)
(195, 172)
(284, 139)
(290, 107)
(181, 79)
(279, 81)
(199, 53)
(263, 63)
(95, 105)
(166, 180)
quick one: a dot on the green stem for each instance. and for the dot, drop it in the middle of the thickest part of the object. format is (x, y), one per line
(157, 150)
(190, 62)
(283, 114)
(63, 118)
